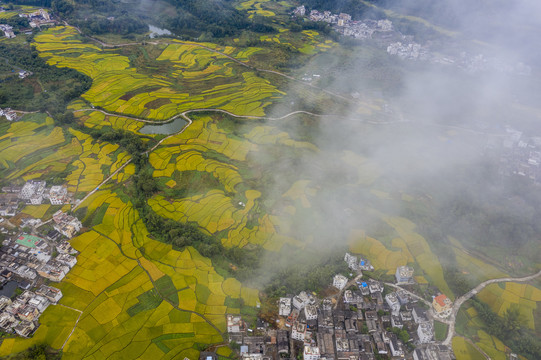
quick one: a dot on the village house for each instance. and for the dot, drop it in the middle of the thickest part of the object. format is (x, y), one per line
(67, 260)
(66, 224)
(310, 312)
(33, 191)
(235, 324)
(425, 332)
(303, 299)
(339, 281)
(50, 293)
(351, 260)
(25, 328)
(284, 307)
(298, 331)
(282, 342)
(311, 352)
(404, 275)
(7, 321)
(58, 195)
(397, 350)
(419, 315)
(394, 304)
(8, 32)
(442, 306)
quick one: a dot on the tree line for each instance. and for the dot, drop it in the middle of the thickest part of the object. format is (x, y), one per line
(48, 89)
(510, 330)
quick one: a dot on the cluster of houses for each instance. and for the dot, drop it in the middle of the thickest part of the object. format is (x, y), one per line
(353, 325)
(401, 45)
(29, 259)
(343, 24)
(7, 30)
(21, 315)
(34, 192)
(38, 18)
(9, 114)
(519, 155)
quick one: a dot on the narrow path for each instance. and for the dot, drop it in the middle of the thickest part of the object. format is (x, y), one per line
(74, 326)
(409, 292)
(74, 207)
(477, 348)
(461, 300)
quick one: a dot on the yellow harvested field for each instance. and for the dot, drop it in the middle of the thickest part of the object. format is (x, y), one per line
(211, 80)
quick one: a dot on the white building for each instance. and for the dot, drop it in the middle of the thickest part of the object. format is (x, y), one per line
(301, 300)
(425, 332)
(33, 189)
(284, 307)
(339, 281)
(298, 331)
(351, 261)
(67, 259)
(393, 302)
(311, 352)
(404, 275)
(58, 195)
(310, 311)
(396, 347)
(234, 324)
(39, 302)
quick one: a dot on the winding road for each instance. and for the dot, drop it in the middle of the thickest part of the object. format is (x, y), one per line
(461, 300)
(185, 116)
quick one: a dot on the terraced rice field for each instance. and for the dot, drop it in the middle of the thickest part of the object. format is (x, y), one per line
(195, 77)
(525, 296)
(94, 162)
(465, 351)
(157, 305)
(379, 255)
(233, 211)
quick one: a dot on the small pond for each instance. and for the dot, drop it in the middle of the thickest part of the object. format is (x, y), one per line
(165, 129)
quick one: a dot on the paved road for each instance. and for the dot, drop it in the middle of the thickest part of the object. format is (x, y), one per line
(461, 300)
(409, 292)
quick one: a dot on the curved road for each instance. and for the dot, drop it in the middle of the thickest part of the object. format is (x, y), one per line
(461, 300)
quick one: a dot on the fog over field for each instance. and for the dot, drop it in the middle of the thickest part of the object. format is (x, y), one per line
(436, 143)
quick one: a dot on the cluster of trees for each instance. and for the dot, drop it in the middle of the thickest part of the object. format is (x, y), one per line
(124, 24)
(510, 329)
(230, 261)
(314, 273)
(37, 352)
(48, 89)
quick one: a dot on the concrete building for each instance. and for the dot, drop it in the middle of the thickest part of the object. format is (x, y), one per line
(310, 312)
(284, 306)
(442, 305)
(425, 333)
(352, 261)
(311, 352)
(58, 195)
(339, 281)
(234, 324)
(404, 275)
(32, 188)
(392, 300)
(397, 351)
